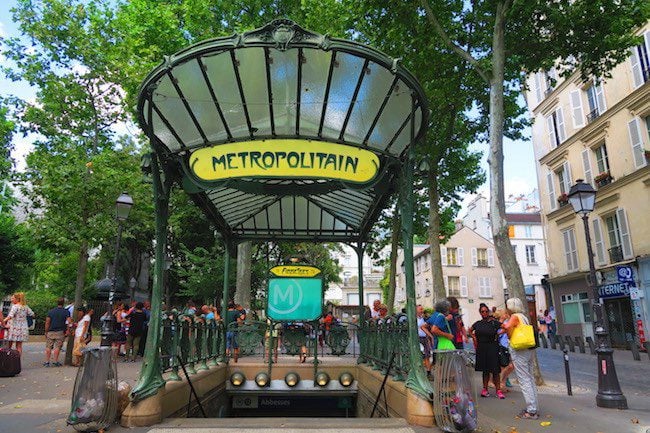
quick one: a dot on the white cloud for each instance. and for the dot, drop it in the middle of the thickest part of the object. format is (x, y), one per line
(23, 146)
(517, 186)
(3, 32)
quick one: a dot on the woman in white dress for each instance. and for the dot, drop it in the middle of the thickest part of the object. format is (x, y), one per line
(18, 331)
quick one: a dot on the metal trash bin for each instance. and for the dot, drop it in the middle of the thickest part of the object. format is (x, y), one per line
(454, 396)
(94, 400)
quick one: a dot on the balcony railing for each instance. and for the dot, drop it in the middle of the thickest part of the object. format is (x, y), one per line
(593, 115)
(615, 254)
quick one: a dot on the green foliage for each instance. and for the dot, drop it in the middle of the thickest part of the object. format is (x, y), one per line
(17, 253)
(7, 128)
(41, 301)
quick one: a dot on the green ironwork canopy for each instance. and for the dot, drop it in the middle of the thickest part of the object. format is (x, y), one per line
(270, 131)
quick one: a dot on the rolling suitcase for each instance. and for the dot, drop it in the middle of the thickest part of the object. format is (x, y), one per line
(9, 362)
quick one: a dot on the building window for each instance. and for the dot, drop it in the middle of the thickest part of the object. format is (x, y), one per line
(353, 299)
(596, 100)
(601, 159)
(453, 286)
(570, 250)
(530, 255)
(528, 231)
(564, 178)
(620, 244)
(641, 61)
(484, 287)
(452, 256)
(555, 125)
(576, 308)
(482, 257)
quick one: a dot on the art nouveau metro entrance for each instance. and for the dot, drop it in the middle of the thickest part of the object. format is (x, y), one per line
(282, 134)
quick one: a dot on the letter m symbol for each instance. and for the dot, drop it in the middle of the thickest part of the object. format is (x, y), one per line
(283, 297)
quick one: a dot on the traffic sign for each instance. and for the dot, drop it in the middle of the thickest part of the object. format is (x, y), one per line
(296, 299)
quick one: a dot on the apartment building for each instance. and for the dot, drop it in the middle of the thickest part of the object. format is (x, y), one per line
(347, 291)
(597, 130)
(471, 272)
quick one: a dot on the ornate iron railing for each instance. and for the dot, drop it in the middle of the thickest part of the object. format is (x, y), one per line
(196, 340)
(380, 342)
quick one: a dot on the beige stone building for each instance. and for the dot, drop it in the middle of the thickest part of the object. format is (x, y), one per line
(471, 272)
(597, 130)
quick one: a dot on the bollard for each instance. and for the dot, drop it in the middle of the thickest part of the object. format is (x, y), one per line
(571, 343)
(542, 338)
(560, 341)
(567, 372)
(590, 342)
(553, 341)
(581, 343)
(635, 349)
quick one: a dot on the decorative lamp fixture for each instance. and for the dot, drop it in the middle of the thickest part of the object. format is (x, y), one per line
(262, 379)
(292, 379)
(322, 379)
(346, 379)
(123, 206)
(237, 378)
(582, 197)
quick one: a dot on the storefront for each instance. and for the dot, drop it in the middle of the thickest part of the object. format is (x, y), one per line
(623, 306)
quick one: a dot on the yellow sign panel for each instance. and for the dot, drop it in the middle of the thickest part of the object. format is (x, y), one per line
(286, 159)
(295, 271)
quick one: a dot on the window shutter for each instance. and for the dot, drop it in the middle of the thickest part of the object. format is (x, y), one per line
(601, 258)
(560, 124)
(552, 140)
(567, 249)
(586, 164)
(461, 260)
(637, 73)
(538, 87)
(600, 98)
(576, 109)
(463, 286)
(551, 190)
(552, 73)
(574, 250)
(447, 285)
(474, 257)
(634, 129)
(566, 168)
(626, 242)
(488, 287)
(490, 254)
(443, 255)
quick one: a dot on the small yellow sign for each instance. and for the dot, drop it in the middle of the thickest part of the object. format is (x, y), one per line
(285, 159)
(295, 271)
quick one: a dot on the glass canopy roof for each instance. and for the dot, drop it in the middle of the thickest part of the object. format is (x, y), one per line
(282, 85)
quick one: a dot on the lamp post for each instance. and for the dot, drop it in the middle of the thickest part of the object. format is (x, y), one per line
(123, 206)
(582, 197)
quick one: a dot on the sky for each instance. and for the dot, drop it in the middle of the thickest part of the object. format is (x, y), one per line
(519, 164)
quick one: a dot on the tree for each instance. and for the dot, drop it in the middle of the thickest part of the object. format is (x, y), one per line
(17, 252)
(512, 38)
(7, 129)
(451, 169)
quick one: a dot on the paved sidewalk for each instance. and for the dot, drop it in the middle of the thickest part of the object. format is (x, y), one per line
(38, 400)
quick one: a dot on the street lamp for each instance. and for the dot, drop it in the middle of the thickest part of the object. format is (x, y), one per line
(582, 197)
(123, 206)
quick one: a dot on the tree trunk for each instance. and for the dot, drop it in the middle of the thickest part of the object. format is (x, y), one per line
(82, 266)
(243, 285)
(394, 246)
(506, 255)
(439, 291)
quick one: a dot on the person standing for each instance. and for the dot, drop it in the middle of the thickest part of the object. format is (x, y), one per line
(484, 334)
(374, 313)
(17, 320)
(233, 318)
(456, 323)
(437, 328)
(504, 351)
(425, 344)
(522, 359)
(137, 319)
(80, 335)
(56, 326)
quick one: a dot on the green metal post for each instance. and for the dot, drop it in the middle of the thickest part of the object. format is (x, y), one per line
(150, 376)
(176, 339)
(359, 249)
(417, 379)
(226, 294)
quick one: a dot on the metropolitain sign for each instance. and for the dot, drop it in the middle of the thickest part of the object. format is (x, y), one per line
(284, 159)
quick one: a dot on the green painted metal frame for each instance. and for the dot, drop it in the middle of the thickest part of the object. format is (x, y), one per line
(165, 171)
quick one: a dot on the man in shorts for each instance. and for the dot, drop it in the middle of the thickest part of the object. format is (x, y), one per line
(56, 326)
(234, 317)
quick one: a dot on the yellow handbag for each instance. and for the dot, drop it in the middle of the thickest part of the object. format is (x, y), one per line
(523, 336)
